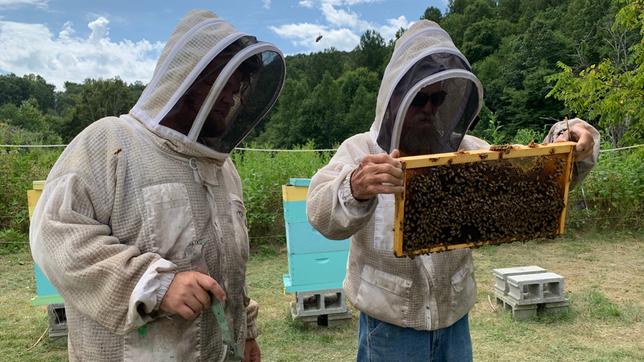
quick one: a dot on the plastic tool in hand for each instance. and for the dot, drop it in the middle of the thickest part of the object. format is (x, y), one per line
(195, 250)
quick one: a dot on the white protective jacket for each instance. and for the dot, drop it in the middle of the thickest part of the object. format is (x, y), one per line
(118, 211)
(428, 292)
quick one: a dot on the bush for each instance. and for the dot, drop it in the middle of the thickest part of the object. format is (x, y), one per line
(525, 135)
(611, 195)
(262, 175)
(18, 168)
(12, 241)
(613, 191)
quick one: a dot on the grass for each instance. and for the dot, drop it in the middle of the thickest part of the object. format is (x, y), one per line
(604, 277)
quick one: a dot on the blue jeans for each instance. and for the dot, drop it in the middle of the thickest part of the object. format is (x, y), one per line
(381, 341)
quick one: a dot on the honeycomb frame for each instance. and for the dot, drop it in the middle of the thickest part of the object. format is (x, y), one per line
(411, 165)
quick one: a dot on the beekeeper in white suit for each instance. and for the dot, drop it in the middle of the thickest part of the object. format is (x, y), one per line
(131, 198)
(411, 309)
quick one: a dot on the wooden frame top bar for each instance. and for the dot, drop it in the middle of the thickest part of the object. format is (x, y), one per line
(494, 153)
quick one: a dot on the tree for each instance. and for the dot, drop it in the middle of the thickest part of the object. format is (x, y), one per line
(433, 14)
(14, 89)
(371, 51)
(481, 39)
(607, 93)
(96, 99)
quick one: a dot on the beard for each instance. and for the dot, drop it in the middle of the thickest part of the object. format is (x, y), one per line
(419, 134)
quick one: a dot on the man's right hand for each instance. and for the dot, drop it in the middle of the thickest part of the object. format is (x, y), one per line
(377, 174)
(188, 294)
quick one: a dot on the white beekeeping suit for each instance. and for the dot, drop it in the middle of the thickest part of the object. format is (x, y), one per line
(130, 195)
(433, 291)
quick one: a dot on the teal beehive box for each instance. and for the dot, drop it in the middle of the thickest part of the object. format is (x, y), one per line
(45, 292)
(314, 262)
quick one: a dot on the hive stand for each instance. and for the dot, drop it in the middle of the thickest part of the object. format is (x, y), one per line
(528, 291)
(321, 308)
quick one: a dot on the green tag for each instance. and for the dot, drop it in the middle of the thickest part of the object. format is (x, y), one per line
(143, 330)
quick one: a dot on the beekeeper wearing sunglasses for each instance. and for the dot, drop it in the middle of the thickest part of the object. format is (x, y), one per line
(410, 309)
(124, 208)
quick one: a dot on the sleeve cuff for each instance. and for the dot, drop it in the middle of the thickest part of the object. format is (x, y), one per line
(346, 196)
(252, 310)
(149, 291)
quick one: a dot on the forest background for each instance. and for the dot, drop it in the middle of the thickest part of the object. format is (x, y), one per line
(538, 60)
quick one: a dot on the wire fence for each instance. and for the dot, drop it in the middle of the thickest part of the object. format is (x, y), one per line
(267, 223)
(280, 150)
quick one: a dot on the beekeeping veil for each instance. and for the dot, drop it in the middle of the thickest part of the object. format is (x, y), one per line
(426, 60)
(211, 85)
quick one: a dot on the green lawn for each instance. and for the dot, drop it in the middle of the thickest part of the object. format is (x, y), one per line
(604, 280)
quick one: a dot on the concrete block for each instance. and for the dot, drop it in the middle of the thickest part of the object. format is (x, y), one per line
(57, 320)
(323, 320)
(501, 275)
(554, 308)
(536, 288)
(524, 313)
(322, 302)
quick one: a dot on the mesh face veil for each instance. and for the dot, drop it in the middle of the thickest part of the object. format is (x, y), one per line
(428, 98)
(212, 85)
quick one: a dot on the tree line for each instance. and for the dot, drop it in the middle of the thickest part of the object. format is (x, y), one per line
(538, 60)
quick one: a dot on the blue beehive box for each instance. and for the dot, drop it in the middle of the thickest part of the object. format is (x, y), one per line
(314, 262)
(45, 292)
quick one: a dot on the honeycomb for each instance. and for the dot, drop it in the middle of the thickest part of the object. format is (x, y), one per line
(489, 202)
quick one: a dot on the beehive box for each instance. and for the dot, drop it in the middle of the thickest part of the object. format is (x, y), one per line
(314, 262)
(468, 199)
(46, 293)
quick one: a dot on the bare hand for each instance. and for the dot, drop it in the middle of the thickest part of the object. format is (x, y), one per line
(251, 351)
(189, 294)
(585, 142)
(377, 174)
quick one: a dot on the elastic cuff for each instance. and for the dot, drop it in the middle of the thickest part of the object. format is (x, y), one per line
(166, 280)
(346, 195)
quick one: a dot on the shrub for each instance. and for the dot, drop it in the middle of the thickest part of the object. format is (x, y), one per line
(611, 195)
(262, 175)
(18, 168)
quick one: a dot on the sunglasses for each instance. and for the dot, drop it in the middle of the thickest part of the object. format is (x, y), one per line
(421, 99)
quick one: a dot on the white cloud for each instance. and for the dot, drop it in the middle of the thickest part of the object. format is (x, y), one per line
(266, 4)
(305, 34)
(340, 17)
(342, 29)
(42, 4)
(32, 48)
(388, 31)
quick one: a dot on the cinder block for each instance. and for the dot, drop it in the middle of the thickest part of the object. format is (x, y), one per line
(519, 311)
(57, 320)
(501, 275)
(524, 313)
(322, 302)
(555, 308)
(324, 308)
(536, 288)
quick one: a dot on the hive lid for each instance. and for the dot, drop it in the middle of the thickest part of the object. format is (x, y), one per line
(38, 185)
(300, 182)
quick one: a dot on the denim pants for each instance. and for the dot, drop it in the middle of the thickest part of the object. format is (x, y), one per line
(381, 341)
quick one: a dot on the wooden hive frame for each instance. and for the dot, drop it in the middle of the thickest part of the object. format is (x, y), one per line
(563, 149)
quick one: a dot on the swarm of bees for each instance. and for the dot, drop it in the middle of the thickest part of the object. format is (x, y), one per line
(482, 202)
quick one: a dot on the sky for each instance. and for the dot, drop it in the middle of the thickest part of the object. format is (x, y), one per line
(72, 40)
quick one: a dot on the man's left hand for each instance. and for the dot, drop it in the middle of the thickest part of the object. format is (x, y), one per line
(251, 351)
(585, 142)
